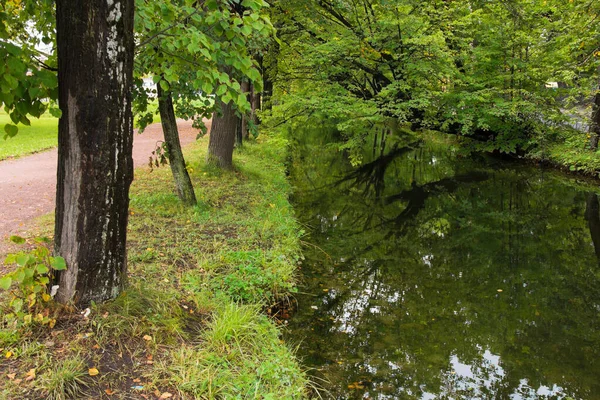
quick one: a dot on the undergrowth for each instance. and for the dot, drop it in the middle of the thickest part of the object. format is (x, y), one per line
(190, 324)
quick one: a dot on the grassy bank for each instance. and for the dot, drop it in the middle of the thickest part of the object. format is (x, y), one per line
(191, 324)
(41, 135)
(570, 153)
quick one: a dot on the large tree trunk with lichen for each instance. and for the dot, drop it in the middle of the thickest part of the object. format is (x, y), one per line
(222, 136)
(95, 136)
(595, 122)
(183, 183)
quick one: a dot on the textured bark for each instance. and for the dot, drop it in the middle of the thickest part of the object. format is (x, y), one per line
(95, 136)
(222, 137)
(254, 104)
(244, 122)
(183, 183)
(592, 214)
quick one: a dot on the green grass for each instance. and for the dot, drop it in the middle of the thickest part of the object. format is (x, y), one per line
(191, 321)
(41, 135)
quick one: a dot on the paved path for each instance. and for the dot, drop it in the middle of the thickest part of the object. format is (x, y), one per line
(28, 184)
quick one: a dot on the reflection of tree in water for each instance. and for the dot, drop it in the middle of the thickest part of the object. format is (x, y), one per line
(413, 305)
(592, 214)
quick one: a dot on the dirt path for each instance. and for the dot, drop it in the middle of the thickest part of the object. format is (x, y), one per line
(28, 184)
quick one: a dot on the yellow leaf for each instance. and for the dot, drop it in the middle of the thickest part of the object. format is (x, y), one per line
(11, 376)
(9, 354)
(46, 297)
(147, 337)
(93, 371)
(30, 375)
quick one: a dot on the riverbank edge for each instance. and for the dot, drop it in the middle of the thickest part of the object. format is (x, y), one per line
(567, 159)
(192, 321)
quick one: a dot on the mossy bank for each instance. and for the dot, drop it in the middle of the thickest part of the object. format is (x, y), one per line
(190, 324)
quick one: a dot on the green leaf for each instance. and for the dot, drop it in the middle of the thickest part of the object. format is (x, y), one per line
(17, 305)
(17, 239)
(42, 269)
(58, 264)
(164, 85)
(23, 259)
(11, 130)
(5, 282)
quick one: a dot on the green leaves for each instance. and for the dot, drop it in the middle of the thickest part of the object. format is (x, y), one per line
(58, 264)
(5, 282)
(207, 48)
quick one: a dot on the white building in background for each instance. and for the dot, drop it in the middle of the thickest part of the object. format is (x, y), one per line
(150, 87)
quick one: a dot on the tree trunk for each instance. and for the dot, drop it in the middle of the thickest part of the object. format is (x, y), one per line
(244, 131)
(95, 136)
(595, 122)
(222, 136)
(183, 183)
(592, 215)
(254, 104)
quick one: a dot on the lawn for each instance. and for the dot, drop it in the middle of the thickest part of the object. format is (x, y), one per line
(41, 135)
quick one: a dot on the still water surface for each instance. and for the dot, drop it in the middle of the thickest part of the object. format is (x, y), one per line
(433, 275)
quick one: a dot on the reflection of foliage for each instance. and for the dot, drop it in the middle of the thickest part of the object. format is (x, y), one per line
(494, 269)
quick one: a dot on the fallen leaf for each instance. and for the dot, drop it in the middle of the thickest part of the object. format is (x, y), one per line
(11, 376)
(147, 337)
(93, 371)
(137, 380)
(18, 381)
(30, 375)
(109, 392)
(500, 290)
(165, 395)
(9, 354)
(96, 346)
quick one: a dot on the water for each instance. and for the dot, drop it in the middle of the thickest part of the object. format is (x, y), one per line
(433, 275)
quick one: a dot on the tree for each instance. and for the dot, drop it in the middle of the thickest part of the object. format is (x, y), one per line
(222, 136)
(177, 38)
(28, 76)
(183, 183)
(95, 167)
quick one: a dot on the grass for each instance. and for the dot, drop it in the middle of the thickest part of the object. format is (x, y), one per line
(191, 322)
(41, 135)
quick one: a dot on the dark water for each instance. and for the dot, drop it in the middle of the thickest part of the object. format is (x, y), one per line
(432, 275)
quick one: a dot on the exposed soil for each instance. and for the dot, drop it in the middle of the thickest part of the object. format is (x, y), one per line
(28, 184)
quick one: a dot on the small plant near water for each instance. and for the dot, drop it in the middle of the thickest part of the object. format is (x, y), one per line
(30, 296)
